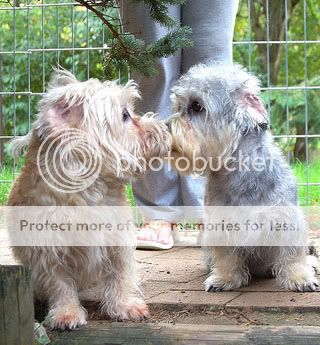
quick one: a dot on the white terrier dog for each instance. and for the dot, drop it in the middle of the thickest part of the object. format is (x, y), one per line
(217, 115)
(104, 113)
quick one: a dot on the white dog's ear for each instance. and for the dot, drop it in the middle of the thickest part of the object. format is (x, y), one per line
(64, 114)
(58, 111)
(250, 110)
(63, 104)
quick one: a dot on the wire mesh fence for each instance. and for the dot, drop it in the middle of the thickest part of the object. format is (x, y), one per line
(278, 40)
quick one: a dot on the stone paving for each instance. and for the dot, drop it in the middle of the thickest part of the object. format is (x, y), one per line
(174, 280)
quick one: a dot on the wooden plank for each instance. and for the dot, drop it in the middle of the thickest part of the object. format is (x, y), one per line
(17, 306)
(101, 333)
(147, 333)
(2, 324)
(284, 335)
(10, 304)
(26, 308)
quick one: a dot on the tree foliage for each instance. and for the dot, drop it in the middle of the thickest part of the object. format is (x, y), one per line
(29, 69)
(295, 65)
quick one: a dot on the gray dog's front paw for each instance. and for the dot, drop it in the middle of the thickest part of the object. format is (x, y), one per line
(214, 283)
(303, 286)
(303, 281)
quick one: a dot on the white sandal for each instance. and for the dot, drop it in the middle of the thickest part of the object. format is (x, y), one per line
(156, 227)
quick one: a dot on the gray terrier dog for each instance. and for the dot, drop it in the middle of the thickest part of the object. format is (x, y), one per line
(115, 144)
(218, 114)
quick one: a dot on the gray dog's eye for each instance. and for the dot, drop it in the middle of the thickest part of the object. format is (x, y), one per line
(196, 107)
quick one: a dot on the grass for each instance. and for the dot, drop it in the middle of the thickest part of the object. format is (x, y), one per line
(130, 196)
(6, 177)
(307, 194)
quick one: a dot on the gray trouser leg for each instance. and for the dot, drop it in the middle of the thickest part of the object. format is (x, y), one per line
(156, 188)
(212, 22)
(155, 90)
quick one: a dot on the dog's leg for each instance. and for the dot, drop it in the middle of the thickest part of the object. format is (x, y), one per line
(53, 283)
(122, 298)
(65, 310)
(228, 271)
(293, 271)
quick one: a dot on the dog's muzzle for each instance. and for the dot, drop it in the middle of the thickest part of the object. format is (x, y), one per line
(168, 124)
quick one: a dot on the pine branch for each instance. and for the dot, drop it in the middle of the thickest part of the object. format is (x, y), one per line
(128, 50)
(142, 57)
(101, 16)
(159, 10)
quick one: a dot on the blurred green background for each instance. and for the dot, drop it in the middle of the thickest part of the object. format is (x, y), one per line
(30, 36)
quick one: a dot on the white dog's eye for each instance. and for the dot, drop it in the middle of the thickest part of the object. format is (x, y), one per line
(196, 107)
(125, 115)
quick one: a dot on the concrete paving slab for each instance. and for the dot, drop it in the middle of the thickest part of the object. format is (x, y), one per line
(143, 253)
(170, 281)
(192, 300)
(261, 285)
(152, 289)
(184, 253)
(287, 300)
(172, 270)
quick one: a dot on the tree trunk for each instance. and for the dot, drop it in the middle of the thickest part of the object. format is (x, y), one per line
(299, 151)
(277, 27)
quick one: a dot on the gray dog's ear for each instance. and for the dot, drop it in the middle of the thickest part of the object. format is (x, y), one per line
(255, 109)
(251, 108)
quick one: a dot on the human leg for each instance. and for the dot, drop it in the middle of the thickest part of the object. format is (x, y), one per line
(156, 188)
(212, 23)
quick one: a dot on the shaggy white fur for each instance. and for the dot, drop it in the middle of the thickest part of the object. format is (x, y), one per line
(121, 142)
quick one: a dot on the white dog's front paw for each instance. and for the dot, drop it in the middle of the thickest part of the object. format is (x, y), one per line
(66, 317)
(135, 311)
(215, 283)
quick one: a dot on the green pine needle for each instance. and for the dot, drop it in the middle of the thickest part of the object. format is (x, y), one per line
(128, 51)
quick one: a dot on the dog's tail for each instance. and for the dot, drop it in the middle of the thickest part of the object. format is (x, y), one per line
(16, 146)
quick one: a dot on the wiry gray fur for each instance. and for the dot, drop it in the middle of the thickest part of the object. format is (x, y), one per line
(233, 122)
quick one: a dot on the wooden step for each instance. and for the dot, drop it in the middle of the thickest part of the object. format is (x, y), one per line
(99, 333)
